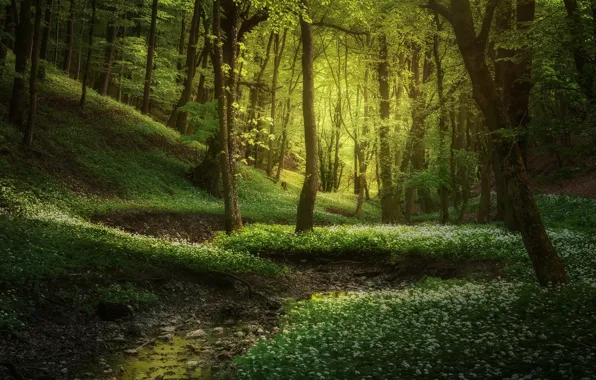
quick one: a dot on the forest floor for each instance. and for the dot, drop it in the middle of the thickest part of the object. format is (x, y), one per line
(110, 258)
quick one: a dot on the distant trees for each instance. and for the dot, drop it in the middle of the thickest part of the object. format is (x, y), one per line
(150, 55)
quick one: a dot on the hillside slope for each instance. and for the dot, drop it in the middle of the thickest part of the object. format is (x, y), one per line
(110, 158)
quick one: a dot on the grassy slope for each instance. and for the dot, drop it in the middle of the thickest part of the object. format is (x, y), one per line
(110, 158)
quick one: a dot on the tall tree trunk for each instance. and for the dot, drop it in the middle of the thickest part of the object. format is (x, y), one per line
(485, 160)
(306, 205)
(181, 44)
(150, 54)
(28, 138)
(69, 39)
(21, 51)
(46, 30)
(57, 36)
(226, 109)
(179, 118)
(443, 127)
(385, 160)
(202, 91)
(109, 58)
(4, 40)
(279, 50)
(547, 264)
(89, 54)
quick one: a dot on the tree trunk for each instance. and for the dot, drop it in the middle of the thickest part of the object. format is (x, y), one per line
(58, 7)
(279, 50)
(181, 42)
(226, 110)
(385, 160)
(150, 54)
(89, 54)
(547, 265)
(443, 128)
(179, 118)
(485, 169)
(69, 39)
(46, 30)
(4, 40)
(109, 58)
(21, 51)
(28, 138)
(306, 205)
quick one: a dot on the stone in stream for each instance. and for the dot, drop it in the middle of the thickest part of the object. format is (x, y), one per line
(196, 334)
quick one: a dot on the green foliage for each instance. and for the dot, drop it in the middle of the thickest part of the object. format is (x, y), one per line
(468, 331)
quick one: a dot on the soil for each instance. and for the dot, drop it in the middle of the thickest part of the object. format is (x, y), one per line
(64, 344)
(193, 227)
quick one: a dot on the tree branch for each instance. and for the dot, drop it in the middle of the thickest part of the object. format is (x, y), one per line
(440, 9)
(340, 28)
(487, 22)
(251, 23)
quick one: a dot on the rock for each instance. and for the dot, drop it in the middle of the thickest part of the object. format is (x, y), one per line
(218, 330)
(131, 351)
(260, 331)
(64, 371)
(196, 334)
(239, 334)
(168, 329)
(119, 338)
(192, 364)
(166, 337)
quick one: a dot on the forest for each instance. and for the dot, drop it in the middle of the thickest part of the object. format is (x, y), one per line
(297, 189)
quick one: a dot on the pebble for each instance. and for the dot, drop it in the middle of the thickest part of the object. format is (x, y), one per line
(196, 334)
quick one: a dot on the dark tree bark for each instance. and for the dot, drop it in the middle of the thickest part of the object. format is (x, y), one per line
(202, 93)
(308, 195)
(89, 54)
(109, 58)
(181, 44)
(69, 38)
(46, 31)
(180, 119)
(150, 54)
(385, 160)
(57, 35)
(28, 138)
(485, 159)
(21, 51)
(4, 42)
(547, 264)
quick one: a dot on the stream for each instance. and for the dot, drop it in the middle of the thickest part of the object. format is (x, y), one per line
(188, 354)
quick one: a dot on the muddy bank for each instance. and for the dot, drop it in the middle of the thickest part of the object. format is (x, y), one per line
(202, 321)
(192, 227)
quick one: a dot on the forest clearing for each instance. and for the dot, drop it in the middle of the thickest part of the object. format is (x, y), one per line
(297, 189)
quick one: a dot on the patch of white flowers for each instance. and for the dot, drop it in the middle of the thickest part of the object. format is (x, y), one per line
(507, 329)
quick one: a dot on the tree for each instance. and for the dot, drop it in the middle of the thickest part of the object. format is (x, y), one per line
(306, 204)
(385, 160)
(89, 54)
(547, 265)
(180, 119)
(69, 38)
(150, 53)
(22, 49)
(28, 138)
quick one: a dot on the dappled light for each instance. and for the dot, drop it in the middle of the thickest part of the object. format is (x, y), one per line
(297, 189)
